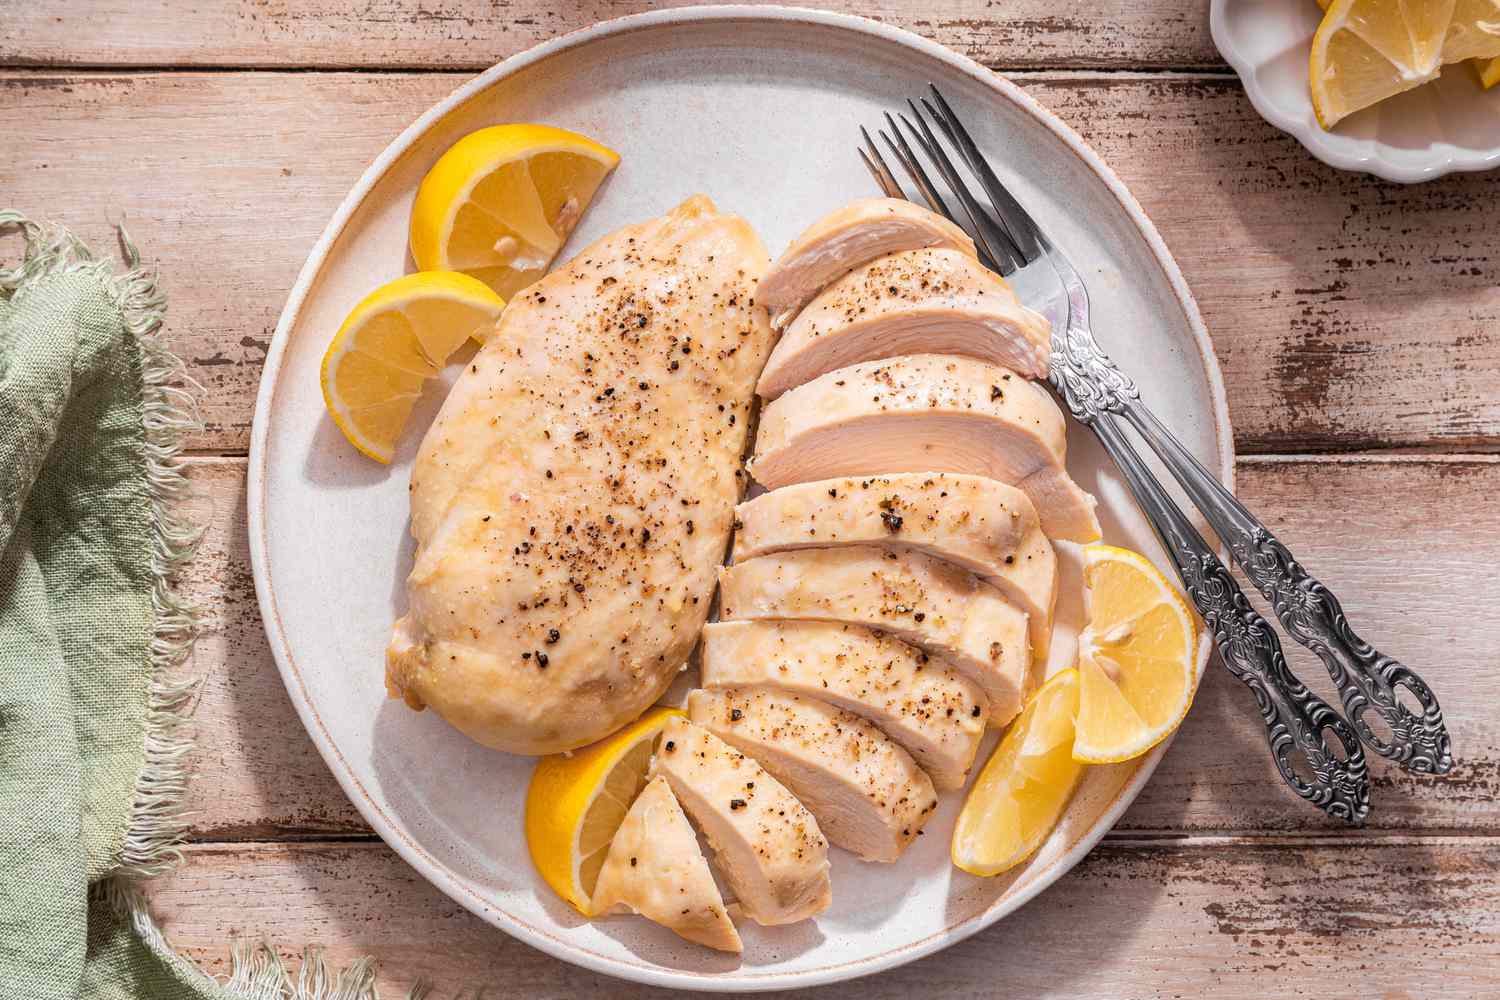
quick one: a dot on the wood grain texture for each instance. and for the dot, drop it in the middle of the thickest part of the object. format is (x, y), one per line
(1210, 919)
(1409, 546)
(1348, 313)
(473, 34)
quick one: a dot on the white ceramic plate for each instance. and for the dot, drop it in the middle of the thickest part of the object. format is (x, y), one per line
(1450, 124)
(758, 108)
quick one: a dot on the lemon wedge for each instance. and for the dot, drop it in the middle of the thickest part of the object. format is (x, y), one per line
(1368, 50)
(500, 203)
(1018, 797)
(393, 341)
(1137, 659)
(578, 800)
(1474, 32)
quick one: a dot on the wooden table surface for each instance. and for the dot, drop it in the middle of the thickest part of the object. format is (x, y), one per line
(1358, 324)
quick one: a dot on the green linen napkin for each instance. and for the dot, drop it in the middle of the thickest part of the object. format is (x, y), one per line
(92, 740)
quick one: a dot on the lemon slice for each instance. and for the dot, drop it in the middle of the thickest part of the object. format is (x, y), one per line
(578, 800)
(500, 203)
(1368, 50)
(395, 339)
(1489, 72)
(1137, 659)
(1018, 797)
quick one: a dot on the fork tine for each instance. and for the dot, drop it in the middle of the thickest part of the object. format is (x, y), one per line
(987, 232)
(1019, 224)
(876, 164)
(914, 168)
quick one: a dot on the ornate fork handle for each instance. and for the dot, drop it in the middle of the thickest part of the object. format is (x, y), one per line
(1296, 719)
(1367, 680)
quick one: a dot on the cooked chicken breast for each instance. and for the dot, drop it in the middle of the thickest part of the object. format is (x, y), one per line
(845, 239)
(918, 599)
(926, 413)
(767, 845)
(656, 869)
(574, 496)
(868, 795)
(932, 301)
(933, 711)
(982, 525)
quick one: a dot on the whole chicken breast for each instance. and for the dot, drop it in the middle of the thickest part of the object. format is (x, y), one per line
(931, 604)
(936, 713)
(655, 868)
(573, 498)
(846, 238)
(768, 847)
(927, 413)
(930, 301)
(868, 795)
(979, 524)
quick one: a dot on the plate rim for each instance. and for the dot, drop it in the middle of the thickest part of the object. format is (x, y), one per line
(1315, 140)
(392, 833)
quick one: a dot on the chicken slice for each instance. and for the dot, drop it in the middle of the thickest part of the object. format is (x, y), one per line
(573, 498)
(868, 795)
(767, 845)
(924, 601)
(931, 301)
(927, 413)
(980, 524)
(656, 869)
(845, 239)
(936, 713)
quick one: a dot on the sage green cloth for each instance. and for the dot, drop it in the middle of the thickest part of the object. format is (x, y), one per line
(92, 408)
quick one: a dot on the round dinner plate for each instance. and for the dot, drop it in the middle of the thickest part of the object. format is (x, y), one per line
(758, 108)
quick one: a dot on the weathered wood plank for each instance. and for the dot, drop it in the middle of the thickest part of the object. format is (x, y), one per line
(1348, 313)
(1409, 546)
(1276, 920)
(474, 34)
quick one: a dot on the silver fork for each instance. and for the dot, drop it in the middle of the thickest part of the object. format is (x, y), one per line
(1101, 396)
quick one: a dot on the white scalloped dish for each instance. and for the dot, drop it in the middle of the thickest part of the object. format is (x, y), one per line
(1449, 125)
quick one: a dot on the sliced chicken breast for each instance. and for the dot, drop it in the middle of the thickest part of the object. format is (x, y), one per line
(933, 711)
(931, 301)
(767, 845)
(656, 869)
(918, 599)
(573, 498)
(868, 795)
(980, 524)
(926, 413)
(845, 239)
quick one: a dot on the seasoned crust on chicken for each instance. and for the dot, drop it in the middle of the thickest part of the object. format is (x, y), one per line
(573, 498)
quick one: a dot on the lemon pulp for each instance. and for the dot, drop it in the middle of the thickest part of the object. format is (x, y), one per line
(1137, 657)
(500, 203)
(1024, 787)
(391, 343)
